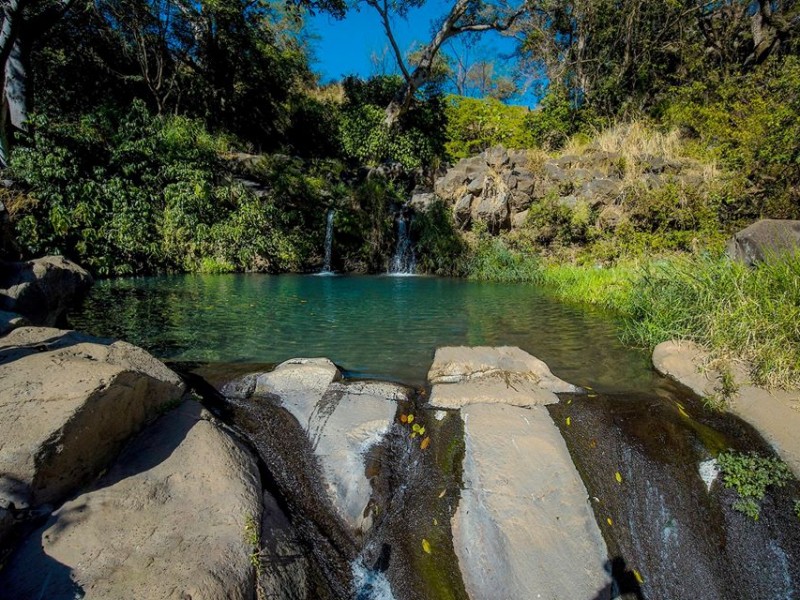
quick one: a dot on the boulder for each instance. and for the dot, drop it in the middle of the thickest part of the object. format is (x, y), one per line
(519, 220)
(462, 211)
(764, 239)
(523, 528)
(422, 201)
(343, 421)
(492, 210)
(42, 289)
(67, 404)
(506, 375)
(171, 519)
(10, 321)
(496, 157)
(774, 413)
(600, 191)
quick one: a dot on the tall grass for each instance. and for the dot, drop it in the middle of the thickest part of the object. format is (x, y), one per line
(493, 260)
(735, 311)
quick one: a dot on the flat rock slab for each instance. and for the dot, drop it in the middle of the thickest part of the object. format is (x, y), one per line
(67, 404)
(506, 375)
(524, 528)
(775, 414)
(167, 521)
(343, 420)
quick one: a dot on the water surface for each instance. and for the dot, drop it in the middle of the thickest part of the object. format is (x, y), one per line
(372, 326)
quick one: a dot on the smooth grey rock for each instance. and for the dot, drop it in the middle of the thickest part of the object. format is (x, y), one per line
(506, 375)
(475, 186)
(764, 239)
(774, 413)
(343, 420)
(167, 521)
(523, 528)
(496, 157)
(519, 158)
(67, 404)
(42, 289)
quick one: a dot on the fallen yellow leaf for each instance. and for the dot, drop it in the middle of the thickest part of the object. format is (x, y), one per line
(609, 521)
(425, 443)
(618, 477)
(410, 418)
(426, 546)
(442, 493)
(569, 421)
(404, 418)
(638, 576)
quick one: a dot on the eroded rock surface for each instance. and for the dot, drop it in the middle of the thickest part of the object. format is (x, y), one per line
(775, 414)
(167, 521)
(343, 420)
(506, 375)
(67, 404)
(42, 289)
(524, 528)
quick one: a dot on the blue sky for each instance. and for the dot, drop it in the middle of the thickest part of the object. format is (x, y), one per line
(344, 47)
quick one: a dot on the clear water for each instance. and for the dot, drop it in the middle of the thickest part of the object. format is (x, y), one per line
(372, 326)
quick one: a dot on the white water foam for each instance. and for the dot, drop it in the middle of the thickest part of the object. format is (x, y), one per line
(369, 584)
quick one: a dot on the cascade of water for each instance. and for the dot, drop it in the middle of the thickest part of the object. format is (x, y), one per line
(404, 261)
(328, 241)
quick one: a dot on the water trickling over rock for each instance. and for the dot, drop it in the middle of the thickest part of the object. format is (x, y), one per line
(326, 268)
(404, 261)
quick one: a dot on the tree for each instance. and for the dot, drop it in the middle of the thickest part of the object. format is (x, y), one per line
(464, 16)
(23, 22)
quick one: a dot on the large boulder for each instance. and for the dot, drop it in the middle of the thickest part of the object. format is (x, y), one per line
(67, 404)
(774, 413)
(343, 422)
(43, 289)
(481, 374)
(172, 519)
(763, 240)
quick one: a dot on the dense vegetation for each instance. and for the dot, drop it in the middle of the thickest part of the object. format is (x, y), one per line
(213, 148)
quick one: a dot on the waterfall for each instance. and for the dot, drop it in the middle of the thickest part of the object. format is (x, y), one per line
(404, 261)
(328, 241)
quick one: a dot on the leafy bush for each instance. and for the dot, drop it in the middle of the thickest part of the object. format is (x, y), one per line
(750, 124)
(415, 142)
(493, 260)
(475, 124)
(751, 475)
(439, 246)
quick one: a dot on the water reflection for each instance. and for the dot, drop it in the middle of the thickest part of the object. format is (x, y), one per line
(371, 326)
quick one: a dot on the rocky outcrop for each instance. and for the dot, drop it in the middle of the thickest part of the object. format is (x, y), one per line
(775, 414)
(523, 527)
(506, 375)
(763, 240)
(68, 402)
(498, 186)
(169, 520)
(43, 289)
(343, 421)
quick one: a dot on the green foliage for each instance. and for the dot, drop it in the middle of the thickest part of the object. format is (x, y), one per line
(415, 142)
(440, 248)
(494, 260)
(729, 308)
(797, 508)
(751, 475)
(252, 535)
(140, 193)
(750, 124)
(557, 119)
(475, 124)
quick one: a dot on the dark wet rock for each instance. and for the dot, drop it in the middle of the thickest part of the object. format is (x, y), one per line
(774, 413)
(764, 239)
(669, 533)
(463, 210)
(42, 289)
(67, 404)
(10, 321)
(169, 520)
(600, 190)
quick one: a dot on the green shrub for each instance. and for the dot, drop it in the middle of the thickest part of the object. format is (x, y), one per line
(751, 475)
(493, 260)
(729, 308)
(475, 124)
(440, 248)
